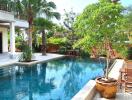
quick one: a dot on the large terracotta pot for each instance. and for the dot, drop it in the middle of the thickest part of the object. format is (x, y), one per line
(107, 89)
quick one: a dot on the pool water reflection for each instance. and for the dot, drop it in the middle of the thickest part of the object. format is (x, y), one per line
(59, 79)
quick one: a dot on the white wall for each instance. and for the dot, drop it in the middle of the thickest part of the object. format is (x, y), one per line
(4, 39)
(21, 23)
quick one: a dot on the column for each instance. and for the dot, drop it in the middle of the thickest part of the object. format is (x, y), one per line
(12, 38)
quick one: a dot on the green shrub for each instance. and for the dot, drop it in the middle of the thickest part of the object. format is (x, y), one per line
(62, 50)
(59, 41)
(84, 54)
(19, 42)
(26, 55)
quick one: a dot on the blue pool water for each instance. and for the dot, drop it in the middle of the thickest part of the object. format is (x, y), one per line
(59, 79)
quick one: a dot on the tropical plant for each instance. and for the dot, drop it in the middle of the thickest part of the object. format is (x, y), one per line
(59, 30)
(37, 41)
(68, 21)
(128, 22)
(26, 55)
(99, 26)
(30, 9)
(58, 41)
(18, 42)
(42, 25)
(19, 39)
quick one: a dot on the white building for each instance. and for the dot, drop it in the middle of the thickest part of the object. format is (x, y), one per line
(8, 23)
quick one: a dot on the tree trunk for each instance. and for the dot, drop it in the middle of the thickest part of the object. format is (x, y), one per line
(30, 21)
(43, 43)
(30, 36)
(107, 64)
(107, 58)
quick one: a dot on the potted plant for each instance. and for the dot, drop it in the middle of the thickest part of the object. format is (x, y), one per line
(100, 30)
(106, 86)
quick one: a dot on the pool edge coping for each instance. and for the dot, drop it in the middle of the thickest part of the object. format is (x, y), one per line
(38, 61)
(31, 63)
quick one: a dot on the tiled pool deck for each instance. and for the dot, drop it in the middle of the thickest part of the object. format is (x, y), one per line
(6, 60)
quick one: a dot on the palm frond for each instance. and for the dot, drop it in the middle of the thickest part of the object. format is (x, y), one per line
(56, 15)
(51, 5)
(42, 23)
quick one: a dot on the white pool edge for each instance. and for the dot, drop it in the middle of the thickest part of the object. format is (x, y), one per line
(38, 61)
(89, 90)
(10, 62)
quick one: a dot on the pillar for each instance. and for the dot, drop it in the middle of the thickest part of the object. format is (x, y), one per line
(12, 38)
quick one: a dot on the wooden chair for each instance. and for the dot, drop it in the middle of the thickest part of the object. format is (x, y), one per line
(128, 79)
(126, 74)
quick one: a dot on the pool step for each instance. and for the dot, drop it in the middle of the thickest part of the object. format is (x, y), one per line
(5, 71)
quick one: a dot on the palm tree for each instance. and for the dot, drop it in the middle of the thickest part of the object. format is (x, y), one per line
(31, 9)
(43, 24)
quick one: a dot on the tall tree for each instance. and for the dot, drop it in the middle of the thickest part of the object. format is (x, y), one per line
(30, 9)
(42, 25)
(100, 28)
(68, 19)
(128, 22)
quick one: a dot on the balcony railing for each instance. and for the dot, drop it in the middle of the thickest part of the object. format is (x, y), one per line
(10, 8)
(5, 7)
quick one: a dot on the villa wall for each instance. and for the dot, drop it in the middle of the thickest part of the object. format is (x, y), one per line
(21, 23)
(4, 39)
(7, 19)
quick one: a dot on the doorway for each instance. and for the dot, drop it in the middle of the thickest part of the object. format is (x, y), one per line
(0, 42)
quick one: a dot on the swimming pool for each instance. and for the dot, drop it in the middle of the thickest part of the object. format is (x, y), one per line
(58, 79)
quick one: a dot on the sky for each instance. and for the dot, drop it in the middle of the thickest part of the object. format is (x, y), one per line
(79, 5)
